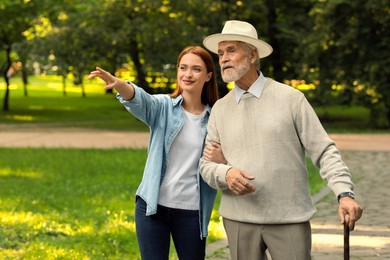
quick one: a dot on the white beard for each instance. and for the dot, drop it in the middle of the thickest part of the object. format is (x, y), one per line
(236, 73)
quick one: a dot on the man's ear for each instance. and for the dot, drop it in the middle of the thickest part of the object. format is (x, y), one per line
(254, 56)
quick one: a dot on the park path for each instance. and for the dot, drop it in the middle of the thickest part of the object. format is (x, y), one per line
(367, 155)
(11, 136)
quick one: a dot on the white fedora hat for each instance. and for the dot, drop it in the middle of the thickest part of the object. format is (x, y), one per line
(238, 31)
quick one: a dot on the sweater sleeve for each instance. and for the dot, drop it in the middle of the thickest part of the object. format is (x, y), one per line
(213, 174)
(321, 149)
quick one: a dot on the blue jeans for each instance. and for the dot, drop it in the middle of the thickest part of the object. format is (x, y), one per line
(154, 233)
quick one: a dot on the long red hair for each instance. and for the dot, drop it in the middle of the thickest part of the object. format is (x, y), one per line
(210, 90)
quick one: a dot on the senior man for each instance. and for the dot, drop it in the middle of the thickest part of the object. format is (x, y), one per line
(265, 129)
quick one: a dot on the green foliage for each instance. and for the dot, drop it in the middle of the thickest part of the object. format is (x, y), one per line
(13, 24)
(351, 39)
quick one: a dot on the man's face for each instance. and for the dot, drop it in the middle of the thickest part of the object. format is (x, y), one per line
(233, 60)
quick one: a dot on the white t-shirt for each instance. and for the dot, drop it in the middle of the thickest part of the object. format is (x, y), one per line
(179, 188)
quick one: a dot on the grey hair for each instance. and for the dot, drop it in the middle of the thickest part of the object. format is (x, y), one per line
(248, 48)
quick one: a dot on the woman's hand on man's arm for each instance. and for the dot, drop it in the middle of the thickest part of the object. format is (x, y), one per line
(213, 152)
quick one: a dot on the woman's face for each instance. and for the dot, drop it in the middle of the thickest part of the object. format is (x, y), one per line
(192, 73)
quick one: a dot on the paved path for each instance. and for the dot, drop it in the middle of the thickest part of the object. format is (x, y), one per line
(71, 137)
(82, 138)
(368, 157)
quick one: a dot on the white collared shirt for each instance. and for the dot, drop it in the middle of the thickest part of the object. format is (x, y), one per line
(256, 89)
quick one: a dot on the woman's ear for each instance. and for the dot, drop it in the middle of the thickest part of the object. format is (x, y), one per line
(209, 75)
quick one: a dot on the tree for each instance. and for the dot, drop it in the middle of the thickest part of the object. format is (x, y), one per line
(23, 50)
(71, 44)
(288, 22)
(15, 18)
(352, 46)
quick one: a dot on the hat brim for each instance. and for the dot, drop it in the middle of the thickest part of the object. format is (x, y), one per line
(211, 43)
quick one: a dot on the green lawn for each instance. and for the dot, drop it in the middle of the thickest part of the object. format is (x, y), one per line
(74, 203)
(68, 203)
(46, 105)
(338, 119)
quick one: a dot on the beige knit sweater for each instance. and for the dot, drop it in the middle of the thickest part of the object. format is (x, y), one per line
(268, 137)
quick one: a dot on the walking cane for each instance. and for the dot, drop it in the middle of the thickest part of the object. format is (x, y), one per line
(346, 241)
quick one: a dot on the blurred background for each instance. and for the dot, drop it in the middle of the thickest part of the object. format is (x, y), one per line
(336, 51)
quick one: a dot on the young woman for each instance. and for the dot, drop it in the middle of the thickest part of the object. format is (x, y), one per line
(172, 199)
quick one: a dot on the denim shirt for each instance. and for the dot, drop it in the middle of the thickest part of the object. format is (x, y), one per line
(165, 118)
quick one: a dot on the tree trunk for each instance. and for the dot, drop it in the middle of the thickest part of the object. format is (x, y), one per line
(24, 78)
(6, 78)
(141, 75)
(82, 86)
(64, 85)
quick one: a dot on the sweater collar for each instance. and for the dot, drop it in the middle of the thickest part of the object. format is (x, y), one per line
(256, 89)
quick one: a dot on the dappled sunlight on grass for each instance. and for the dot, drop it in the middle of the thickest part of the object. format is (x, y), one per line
(20, 118)
(11, 86)
(216, 229)
(70, 88)
(52, 227)
(54, 83)
(117, 221)
(35, 107)
(33, 234)
(60, 108)
(13, 218)
(73, 199)
(20, 173)
(86, 229)
(67, 204)
(49, 251)
(35, 223)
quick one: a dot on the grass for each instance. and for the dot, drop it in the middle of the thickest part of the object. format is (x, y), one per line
(316, 183)
(68, 203)
(73, 203)
(81, 209)
(345, 119)
(47, 106)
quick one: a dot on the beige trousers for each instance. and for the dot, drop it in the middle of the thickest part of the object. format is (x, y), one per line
(248, 241)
